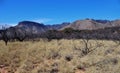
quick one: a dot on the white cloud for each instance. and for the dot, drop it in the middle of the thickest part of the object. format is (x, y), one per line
(8, 24)
(42, 20)
(13, 24)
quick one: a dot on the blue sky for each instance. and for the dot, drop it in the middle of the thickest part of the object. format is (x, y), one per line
(57, 11)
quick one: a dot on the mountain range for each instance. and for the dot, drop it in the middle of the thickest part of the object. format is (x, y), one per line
(86, 24)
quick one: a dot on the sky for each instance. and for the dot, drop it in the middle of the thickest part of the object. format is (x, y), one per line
(57, 11)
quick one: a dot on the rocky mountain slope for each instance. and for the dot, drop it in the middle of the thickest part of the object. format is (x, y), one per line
(91, 24)
(35, 27)
(32, 27)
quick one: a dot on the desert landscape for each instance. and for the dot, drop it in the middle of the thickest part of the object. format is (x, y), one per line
(59, 36)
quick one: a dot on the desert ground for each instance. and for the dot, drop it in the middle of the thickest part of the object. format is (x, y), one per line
(60, 56)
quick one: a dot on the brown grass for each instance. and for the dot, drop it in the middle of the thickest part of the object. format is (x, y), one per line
(50, 57)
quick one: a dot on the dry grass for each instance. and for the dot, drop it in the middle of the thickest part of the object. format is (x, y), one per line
(53, 57)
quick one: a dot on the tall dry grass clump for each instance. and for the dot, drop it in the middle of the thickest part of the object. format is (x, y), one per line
(60, 56)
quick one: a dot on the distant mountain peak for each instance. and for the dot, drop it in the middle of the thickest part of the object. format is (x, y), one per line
(5, 26)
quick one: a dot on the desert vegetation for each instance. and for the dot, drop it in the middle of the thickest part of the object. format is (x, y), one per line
(13, 33)
(61, 56)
